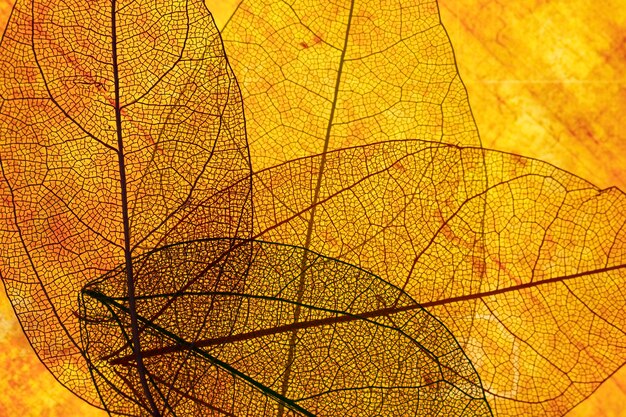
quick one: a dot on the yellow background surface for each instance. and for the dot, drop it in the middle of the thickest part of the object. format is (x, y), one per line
(545, 79)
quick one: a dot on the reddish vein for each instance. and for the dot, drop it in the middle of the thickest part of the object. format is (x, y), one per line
(267, 332)
(125, 360)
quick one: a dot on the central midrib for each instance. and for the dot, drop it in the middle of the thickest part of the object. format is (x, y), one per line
(132, 306)
(311, 224)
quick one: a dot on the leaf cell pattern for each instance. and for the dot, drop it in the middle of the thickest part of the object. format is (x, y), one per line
(147, 286)
(117, 119)
(361, 347)
(322, 76)
(515, 270)
(476, 235)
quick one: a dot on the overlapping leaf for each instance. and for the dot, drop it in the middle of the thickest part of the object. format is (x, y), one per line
(125, 133)
(112, 114)
(272, 330)
(515, 256)
(528, 272)
(477, 235)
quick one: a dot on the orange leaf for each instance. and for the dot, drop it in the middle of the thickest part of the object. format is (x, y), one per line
(366, 151)
(129, 154)
(117, 119)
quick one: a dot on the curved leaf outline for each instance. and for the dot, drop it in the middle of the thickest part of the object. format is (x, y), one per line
(119, 121)
(220, 345)
(611, 252)
(475, 234)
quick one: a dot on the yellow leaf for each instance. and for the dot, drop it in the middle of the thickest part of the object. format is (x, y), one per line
(322, 76)
(469, 233)
(379, 184)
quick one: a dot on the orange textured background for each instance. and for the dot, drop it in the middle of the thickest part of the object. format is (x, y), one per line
(545, 79)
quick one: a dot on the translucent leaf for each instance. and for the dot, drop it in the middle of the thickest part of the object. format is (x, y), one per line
(319, 75)
(457, 227)
(128, 184)
(268, 329)
(527, 268)
(118, 121)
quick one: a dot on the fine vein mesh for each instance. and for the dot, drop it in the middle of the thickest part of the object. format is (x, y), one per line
(361, 347)
(181, 133)
(365, 150)
(322, 75)
(528, 272)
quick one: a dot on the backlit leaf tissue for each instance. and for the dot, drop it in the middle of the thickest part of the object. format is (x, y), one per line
(285, 208)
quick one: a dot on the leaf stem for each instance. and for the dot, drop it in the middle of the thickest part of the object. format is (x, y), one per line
(130, 282)
(294, 335)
